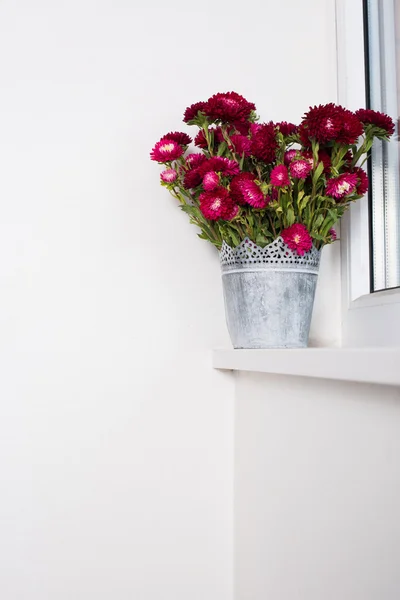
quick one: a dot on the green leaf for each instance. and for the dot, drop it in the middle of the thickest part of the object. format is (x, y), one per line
(290, 216)
(318, 172)
(222, 148)
(304, 203)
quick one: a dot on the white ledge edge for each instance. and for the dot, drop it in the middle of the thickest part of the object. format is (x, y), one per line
(362, 365)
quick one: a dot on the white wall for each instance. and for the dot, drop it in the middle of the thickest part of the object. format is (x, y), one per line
(116, 437)
(317, 486)
(115, 434)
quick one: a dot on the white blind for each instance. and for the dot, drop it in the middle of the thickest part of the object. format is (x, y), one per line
(383, 18)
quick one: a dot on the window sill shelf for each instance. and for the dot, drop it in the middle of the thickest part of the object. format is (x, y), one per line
(363, 365)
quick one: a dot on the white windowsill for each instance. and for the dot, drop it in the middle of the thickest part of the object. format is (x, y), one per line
(366, 365)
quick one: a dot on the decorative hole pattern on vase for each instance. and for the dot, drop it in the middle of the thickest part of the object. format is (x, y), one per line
(275, 256)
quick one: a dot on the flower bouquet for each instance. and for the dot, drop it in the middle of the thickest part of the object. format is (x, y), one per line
(268, 195)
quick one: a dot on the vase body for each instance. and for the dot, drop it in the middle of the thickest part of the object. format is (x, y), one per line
(269, 294)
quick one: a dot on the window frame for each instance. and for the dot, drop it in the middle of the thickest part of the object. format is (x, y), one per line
(368, 319)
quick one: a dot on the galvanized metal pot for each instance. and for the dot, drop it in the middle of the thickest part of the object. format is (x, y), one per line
(269, 294)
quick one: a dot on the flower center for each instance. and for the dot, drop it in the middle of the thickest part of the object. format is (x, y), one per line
(167, 147)
(297, 239)
(344, 187)
(216, 204)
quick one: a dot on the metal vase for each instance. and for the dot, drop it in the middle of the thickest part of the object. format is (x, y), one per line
(269, 294)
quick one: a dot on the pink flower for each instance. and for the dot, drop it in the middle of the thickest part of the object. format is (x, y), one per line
(169, 175)
(289, 156)
(210, 181)
(217, 204)
(236, 186)
(280, 176)
(333, 234)
(183, 139)
(297, 238)
(166, 151)
(241, 144)
(300, 169)
(341, 186)
(253, 195)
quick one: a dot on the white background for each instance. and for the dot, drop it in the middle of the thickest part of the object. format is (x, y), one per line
(116, 437)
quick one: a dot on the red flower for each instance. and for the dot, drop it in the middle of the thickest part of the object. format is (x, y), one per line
(280, 176)
(220, 165)
(341, 186)
(323, 157)
(330, 122)
(191, 111)
(194, 160)
(373, 117)
(228, 108)
(200, 139)
(236, 186)
(297, 238)
(192, 179)
(333, 234)
(300, 169)
(183, 139)
(363, 182)
(210, 181)
(286, 129)
(264, 143)
(218, 204)
(165, 151)
(241, 144)
(169, 175)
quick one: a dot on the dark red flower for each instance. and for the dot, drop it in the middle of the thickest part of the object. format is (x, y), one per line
(241, 144)
(297, 238)
(217, 204)
(191, 111)
(286, 128)
(228, 107)
(373, 117)
(330, 122)
(242, 128)
(194, 160)
(236, 184)
(363, 182)
(192, 179)
(323, 156)
(179, 137)
(200, 139)
(220, 165)
(264, 143)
